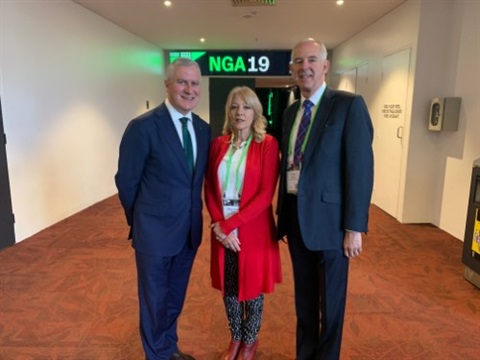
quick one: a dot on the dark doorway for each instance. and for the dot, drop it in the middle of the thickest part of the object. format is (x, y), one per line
(219, 89)
(7, 233)
(274, 102)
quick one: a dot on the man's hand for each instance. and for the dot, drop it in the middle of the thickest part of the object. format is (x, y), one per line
(352, 244)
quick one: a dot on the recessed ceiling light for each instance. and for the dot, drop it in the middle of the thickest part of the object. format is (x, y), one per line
(202, 40)
(167, 3)
(340, 2)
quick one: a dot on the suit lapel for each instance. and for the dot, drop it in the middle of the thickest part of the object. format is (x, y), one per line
(167, 132)
(203, 139)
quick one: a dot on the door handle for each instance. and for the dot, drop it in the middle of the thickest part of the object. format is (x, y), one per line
(400, 132)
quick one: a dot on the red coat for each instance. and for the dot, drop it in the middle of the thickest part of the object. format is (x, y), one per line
(259, 258)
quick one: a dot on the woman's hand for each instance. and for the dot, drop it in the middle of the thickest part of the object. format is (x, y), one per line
(230, 242)
(217, 230)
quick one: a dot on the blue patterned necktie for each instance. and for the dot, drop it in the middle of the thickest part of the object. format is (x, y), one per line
(187, 143)
(302, 131)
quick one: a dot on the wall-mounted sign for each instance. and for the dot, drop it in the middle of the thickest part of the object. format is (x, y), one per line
(237, 62)
(392, 111)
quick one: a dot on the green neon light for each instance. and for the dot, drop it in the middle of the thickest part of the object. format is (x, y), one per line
(150, 61)
(193, 55)
(270, 101)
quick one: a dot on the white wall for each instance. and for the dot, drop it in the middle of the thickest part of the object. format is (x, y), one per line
(436, 167)
(69, 82)
(394, 32)
(462, 147)
(433, 78)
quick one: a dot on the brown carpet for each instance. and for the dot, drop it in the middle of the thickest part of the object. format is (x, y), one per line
(69, 292)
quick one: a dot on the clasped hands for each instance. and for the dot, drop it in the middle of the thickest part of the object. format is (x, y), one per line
(230, 241)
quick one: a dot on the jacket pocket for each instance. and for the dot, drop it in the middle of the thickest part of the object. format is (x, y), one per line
(332, 198)
(160, 209)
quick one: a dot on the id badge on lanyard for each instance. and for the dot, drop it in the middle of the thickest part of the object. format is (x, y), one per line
(293, 175)
(231, 207)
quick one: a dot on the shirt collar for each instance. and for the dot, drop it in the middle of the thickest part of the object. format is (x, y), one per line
(174, 113)
(316, 96)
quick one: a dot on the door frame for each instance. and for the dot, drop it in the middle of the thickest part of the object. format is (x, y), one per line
(7, 218)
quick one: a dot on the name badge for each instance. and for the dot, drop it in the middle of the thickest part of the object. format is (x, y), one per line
(292, 181)
(231, 207)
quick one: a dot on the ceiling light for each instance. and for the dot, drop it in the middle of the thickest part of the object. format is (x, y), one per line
(340, 2)
(202, 40)
(167, 3)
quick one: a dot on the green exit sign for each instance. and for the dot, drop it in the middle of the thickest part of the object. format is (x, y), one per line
(237, 63)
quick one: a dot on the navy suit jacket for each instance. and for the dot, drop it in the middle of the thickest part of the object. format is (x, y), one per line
(162, 204)
(336, 178)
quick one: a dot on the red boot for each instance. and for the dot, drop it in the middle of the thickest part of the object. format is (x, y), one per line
(232, 352)
(247, 351)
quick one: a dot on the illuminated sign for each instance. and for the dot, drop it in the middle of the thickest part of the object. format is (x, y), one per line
(237, 63)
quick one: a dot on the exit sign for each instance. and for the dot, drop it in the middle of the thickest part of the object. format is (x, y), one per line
(237, 63)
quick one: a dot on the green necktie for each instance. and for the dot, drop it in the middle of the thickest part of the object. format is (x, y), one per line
(187, 143)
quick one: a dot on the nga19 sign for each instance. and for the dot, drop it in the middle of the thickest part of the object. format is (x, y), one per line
(237, 63)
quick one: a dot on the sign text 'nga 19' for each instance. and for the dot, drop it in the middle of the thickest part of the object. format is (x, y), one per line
(229, 64)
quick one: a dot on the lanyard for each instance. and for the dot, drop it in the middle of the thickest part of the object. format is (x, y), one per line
(238, 182)
(307, 135)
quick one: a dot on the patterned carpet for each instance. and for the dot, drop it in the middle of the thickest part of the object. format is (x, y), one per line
(69, 292)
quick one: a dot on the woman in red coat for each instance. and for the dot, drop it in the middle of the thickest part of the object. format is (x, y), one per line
(239, 187)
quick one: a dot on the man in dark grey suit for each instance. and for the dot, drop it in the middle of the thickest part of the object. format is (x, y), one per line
(326, 180)
(162, 161)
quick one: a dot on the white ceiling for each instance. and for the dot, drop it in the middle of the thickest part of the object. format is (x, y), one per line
(225, 26)
(228, 27)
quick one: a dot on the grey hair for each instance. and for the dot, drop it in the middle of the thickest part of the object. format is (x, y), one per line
(180, 62)
(323, 49)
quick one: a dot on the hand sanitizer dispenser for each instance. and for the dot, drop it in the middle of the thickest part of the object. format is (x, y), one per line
(444, 114)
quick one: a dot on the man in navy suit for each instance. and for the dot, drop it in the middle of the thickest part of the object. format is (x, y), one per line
(161, 196)
(326, 180)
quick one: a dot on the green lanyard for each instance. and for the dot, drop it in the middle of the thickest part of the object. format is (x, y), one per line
(305, 140)
(238, 182)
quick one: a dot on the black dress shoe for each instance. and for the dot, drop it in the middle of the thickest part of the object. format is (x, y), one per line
(186, 356)
(181, 356)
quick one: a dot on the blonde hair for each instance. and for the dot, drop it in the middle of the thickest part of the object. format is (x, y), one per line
(259, 124)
